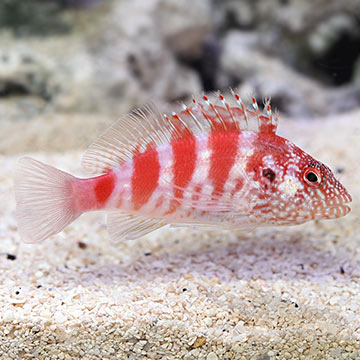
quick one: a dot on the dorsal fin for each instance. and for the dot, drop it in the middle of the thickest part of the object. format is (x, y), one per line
(142, 128)
(147, 127)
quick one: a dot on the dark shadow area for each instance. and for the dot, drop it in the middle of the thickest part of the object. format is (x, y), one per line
(338, 63)
(292, 259)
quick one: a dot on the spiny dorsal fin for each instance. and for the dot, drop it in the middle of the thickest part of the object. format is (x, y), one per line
(146, 127)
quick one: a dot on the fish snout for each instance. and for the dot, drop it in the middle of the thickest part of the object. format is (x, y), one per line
(336, 209)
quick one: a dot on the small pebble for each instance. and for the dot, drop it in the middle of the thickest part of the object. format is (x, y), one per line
(212, 356)
(82, 245)
(200, 341)
(8, 315)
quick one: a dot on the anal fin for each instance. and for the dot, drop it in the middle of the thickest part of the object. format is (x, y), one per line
(128, 227)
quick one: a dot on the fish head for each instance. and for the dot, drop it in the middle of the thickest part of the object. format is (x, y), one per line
(310, 190)
(325, 197)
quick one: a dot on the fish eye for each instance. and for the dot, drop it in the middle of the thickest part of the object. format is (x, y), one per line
(312, 176)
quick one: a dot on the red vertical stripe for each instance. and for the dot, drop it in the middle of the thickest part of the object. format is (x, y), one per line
(184, 160)
(145, 177)
(104, 186)
(224, 146)
(184, 152)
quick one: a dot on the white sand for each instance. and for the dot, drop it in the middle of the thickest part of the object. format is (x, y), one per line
(285, 293)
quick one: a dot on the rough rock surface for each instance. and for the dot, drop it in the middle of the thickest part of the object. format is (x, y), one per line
(120, 54)
(281, 293)
(123, 61)
(265, 75)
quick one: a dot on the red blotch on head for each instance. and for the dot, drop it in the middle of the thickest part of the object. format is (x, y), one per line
(266, 144)
(104, 186)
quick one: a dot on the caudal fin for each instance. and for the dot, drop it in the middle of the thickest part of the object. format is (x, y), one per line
(44, 200)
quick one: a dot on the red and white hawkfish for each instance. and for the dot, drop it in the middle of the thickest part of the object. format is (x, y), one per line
(213, 166)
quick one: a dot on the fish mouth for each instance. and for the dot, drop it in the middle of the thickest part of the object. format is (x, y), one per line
(342, 209)
(333, 211)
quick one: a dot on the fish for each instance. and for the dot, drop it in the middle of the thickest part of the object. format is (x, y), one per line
(212, 165)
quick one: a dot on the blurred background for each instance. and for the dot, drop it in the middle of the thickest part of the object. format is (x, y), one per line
(69, 68)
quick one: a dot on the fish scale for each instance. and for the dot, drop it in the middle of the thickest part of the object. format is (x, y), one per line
(209, 166)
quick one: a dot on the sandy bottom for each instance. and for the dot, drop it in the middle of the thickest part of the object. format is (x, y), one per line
(281, 293)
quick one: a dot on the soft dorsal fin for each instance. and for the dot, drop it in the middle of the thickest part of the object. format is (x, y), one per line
(133, 133)
(148, 127)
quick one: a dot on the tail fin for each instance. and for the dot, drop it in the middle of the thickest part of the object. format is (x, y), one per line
(44, 200)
